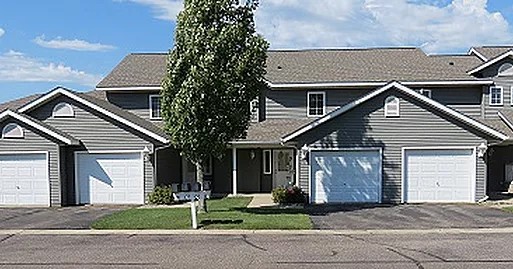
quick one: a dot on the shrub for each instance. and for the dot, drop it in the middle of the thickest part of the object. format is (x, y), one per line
(288, 195)
(161, 195)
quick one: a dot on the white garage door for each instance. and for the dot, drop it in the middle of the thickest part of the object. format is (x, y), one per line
(439, 175)
(110, 178)
(346, 176)
(24, 180)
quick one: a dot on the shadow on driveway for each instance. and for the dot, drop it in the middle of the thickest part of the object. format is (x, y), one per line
(409, 216)
(73, 217)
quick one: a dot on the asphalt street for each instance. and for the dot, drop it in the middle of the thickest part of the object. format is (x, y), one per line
(257, 251)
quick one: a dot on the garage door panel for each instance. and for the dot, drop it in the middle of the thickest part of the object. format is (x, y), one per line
(446, 176)
(346, 176)
(111, 178)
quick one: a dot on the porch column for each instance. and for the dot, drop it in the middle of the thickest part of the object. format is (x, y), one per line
(234, 170)
(298, 164)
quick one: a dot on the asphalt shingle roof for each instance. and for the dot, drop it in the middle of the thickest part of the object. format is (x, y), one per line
(14, 105)
(492, 51)
(272, 130)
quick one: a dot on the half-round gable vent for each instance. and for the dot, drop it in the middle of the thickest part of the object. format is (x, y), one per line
(506, 70)
(63, 110)
(12, 130)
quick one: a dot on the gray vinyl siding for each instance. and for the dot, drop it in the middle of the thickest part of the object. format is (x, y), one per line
(463, 100)
(281, 104)
(35, 141)
(135, 102)
(491, 110)
(366, 126)
(96, 133)
(248, 171)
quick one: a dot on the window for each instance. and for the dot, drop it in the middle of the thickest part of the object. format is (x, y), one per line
(155, 107)
(207, 167)
(267, 162)
(425, 92)
(506, 70)
(496, 95)
(316, 103)
(392, 106)
(63, 110)
(12, 130)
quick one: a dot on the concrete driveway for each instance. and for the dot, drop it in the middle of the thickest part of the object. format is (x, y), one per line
(75, 217)
(419, 216)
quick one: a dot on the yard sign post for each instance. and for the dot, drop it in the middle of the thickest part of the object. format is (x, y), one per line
(194, 216)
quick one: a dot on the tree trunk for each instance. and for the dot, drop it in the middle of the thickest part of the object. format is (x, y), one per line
(199, 179)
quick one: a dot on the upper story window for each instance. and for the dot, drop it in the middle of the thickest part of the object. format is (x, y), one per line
(155, 107)
(496, 95)
(425, 92)
(63, 110)
(316, 103)
(392, 106)
(12, 130)
(506, 70)
(254, 109)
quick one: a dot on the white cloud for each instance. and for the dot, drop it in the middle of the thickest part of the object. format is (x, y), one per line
(18, 67)
(437, 26)
(75, 44)
(2, 32)
(163, 9)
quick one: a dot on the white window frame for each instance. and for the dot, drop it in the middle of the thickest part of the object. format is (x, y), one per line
(390, 113)
(270, 159)
(428, 91)
(511, 95)
(69, 115)
(150, 97)
(323, 103)
(17, 126)
(490, 95)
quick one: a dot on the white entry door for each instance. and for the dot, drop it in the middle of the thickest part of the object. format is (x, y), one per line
(351, 176)
(105, 178)
(446, 175)
(283, 167)
(24, 180)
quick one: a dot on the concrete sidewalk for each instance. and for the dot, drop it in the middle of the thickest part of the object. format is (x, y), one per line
(506, 230)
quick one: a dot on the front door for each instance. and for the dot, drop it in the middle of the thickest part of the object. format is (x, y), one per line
(283, 167)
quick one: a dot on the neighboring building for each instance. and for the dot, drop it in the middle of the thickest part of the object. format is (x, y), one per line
(384, 125)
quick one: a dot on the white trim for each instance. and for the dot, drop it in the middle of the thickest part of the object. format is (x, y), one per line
(234, 171)
(505, 120)
(478, 54)
(507, 73)
(135, 88)
(511, 95)
(72, 111)
(392, 100)
(37, 126)
(94, 107)
(314, 85)
(17, 126)
(428, 91)
(490, 95)
(270, 161)
(47, 156)
(407, 91)
(308, 103)
(298, 165)
(75, 168)
(151, 107)
(491, 62)
(378, 149)
(403, 167)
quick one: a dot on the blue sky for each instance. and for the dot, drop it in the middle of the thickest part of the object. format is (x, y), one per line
(74, 43)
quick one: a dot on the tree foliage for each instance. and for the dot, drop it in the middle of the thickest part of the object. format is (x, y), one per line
(215, 69)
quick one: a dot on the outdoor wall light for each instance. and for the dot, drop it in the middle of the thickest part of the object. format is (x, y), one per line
(304, 152)
(252, 154)
(481, 150)
(146, 154)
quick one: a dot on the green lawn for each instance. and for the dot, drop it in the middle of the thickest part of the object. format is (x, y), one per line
(226, 213)
(508, 209)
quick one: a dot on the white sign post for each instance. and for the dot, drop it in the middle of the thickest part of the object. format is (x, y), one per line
(194, 215)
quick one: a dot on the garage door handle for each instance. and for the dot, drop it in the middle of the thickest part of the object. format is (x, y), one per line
(17, 187)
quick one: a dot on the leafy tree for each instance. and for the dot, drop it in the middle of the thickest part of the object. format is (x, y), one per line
(214, 71)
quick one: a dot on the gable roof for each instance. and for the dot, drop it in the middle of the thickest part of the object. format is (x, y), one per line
(370, 67)
(270, 131)
(137, 70)
(105, 108)
(43, 127)
(488, 52)
(490, 62)
(396, 85)
(17, 103)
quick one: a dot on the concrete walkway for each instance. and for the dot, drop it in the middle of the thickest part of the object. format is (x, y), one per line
(261, 200)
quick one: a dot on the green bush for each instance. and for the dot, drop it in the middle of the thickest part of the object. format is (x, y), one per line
(288, 195)
(161, 195)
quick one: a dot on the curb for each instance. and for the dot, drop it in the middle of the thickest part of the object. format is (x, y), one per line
(506, 230)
